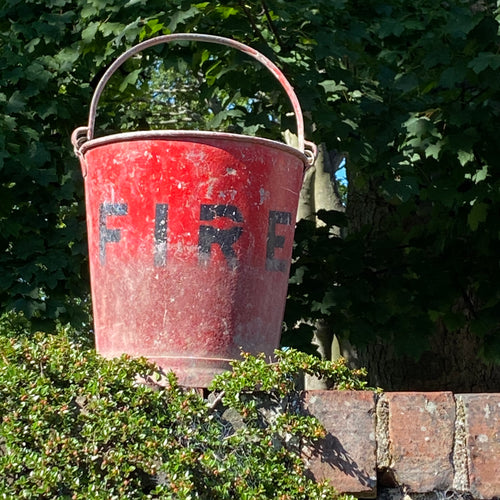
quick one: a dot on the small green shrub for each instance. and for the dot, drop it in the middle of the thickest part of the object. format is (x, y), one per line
(76, 426)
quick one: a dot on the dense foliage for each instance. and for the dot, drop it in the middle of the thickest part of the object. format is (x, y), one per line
(409, 92)
(76, 426)
(419, 131)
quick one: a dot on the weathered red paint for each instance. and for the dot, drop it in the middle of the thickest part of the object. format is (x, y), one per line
(190, 238)
(156, 292)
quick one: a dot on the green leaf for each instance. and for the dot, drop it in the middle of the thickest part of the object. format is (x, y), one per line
(225, 12)
(480, 175)
(331, 86)
(326, 305)
(461, 21)
(181, 16)
(434, 150)
(130, 79)
(485, 60)
(452, 76)
(418, 125)
(67, 57)
(477, 215)
(220, 117)
(465, 157)
(88, 34)
(390, 26)
(152, 27)
(16, 102)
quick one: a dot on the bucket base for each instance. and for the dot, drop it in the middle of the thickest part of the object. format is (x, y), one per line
(193, 371)
(190, 371)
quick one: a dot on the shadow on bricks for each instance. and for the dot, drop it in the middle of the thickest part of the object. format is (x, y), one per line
(333, 453)
(346, 456)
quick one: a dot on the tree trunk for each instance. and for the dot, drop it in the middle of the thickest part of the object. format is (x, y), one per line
(451, 361)
(450, 364)
(319, 191)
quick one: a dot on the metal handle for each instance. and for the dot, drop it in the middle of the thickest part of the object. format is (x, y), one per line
(83, 134)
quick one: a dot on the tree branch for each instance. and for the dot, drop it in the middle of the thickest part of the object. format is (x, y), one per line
(271, 24)
(251, 20)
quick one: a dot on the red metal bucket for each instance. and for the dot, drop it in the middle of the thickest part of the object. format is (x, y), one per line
(190, 237)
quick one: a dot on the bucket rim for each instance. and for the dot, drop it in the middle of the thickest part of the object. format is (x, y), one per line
(185, 135)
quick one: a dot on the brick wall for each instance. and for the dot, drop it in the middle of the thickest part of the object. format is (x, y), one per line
(408, 444)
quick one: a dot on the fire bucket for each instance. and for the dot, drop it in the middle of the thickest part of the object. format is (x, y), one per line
(190, 236)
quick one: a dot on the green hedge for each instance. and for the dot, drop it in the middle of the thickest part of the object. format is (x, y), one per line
(77, 426)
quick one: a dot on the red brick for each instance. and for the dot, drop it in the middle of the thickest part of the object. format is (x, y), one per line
(421, 430)
(348, 453)
(482, 421)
